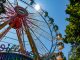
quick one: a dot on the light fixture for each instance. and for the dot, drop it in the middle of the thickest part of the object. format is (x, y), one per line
(37, 7)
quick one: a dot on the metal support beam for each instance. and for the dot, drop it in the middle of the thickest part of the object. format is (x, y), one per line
(4, 32)
(31, 41)
(3, 25)
(22, 50)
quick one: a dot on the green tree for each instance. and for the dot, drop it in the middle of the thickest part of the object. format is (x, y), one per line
(73, 29)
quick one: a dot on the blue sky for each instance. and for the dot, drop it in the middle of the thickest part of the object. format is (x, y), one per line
(56, 9)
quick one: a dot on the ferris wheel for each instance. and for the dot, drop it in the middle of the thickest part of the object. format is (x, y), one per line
(25, 28)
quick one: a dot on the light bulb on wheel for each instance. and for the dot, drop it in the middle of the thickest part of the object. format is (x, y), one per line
(37, 7)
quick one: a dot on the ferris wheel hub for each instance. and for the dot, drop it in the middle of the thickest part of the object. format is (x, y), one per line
(21, 11)
(16, 22)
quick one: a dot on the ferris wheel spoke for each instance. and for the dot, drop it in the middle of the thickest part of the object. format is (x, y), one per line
(4, 32)
(32, 13)
(3, 25)
(49, 29)
(14, 38)
(26, 3)
(22, 30)
(36, 20)
(16, 2)
(20, 41)
(41, 35)
(42, 24)
(9, 9)
(46, 23)
(46, 36)
(8, 43)
(10, 4)
(37, 26)
(39, 40)
(11, 38)
(3, 17)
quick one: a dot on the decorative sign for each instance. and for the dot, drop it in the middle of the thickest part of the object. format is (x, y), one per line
(13, 56)
(13, 48)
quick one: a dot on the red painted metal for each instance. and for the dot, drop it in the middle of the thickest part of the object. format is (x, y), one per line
(21, 14)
